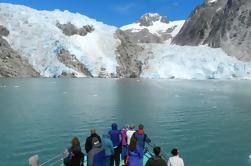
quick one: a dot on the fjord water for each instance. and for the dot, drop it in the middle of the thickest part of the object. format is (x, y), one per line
(209, 121)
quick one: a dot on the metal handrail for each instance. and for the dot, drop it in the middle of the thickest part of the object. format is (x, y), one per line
(52, 161)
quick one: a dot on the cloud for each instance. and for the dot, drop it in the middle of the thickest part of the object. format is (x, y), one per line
(123, 8)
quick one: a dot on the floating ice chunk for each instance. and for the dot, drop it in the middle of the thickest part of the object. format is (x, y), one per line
(16, 86)
(95, 95)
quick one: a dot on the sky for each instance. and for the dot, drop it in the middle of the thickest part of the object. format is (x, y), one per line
(116, 12)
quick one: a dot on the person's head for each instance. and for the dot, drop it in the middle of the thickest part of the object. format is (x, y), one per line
(133, 144)
(157, 150)
(75, 142)
(131, 127)
(175, 152)
(93, 131)
(141, 127)
(114, 126)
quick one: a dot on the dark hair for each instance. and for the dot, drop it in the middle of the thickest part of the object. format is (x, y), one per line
(175, 152)
(133, 144)
(156, 150)
(75, 142)
(141, 127)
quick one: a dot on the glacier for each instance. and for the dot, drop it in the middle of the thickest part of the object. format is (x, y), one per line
(191, 62)
(34, 34)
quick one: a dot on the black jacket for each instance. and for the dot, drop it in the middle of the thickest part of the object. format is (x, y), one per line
(88, 142)
(75, 157)
(156, 161)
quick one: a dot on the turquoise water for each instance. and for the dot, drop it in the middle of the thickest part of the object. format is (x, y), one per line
(209, 121)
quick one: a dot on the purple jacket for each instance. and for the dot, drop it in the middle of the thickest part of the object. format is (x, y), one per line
(115, 135)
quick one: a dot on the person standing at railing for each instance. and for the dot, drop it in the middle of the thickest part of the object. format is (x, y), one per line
(156, 160)
(88, 142)
(130, 133)
(124, 141)
(134, 154)
(75, 156)
(96, 156)
(142, 139)
(115, 136)
(175, 160)
(109, 151)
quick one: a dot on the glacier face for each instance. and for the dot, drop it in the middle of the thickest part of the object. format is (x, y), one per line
(34, 34)
(190, 62)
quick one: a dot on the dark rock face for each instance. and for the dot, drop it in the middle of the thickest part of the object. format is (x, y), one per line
(223, 23)
(232, 29)
(72, 62)
(198, 26)
(149, 18)
(3, 31)
(70, 29)
(127, 57)
(12, 64)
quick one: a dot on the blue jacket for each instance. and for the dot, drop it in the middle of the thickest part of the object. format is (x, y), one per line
(115, 135)
(107, 144)
(142, 138)
(135, 156)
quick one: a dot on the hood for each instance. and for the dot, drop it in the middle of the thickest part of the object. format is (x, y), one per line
(114, 126)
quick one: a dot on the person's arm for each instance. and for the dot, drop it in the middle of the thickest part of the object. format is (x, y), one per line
(87, 145)
(111, 147)
(99, 139)
(169, 163)
(120, 137)
(182, 162)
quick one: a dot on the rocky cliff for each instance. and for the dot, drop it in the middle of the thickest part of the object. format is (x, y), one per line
(222, 24)
(11, 63)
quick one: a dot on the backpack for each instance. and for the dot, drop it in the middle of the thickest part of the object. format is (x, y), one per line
(141, 138)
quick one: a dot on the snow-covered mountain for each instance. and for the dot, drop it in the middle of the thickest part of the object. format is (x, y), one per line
(61, 43)
(153, 28)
